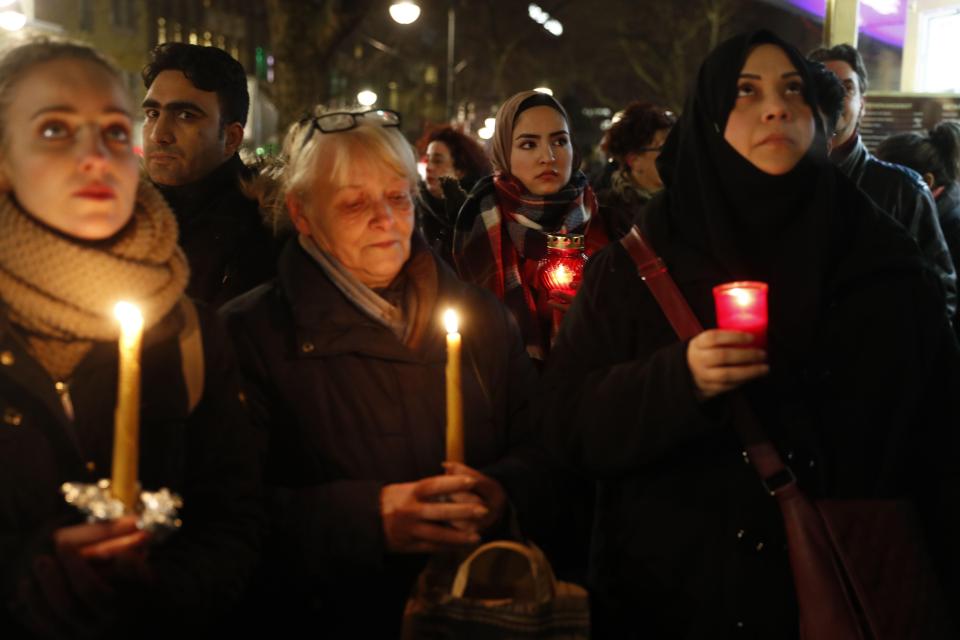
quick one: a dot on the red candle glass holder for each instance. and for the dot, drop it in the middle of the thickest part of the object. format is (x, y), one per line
(742, 306)
(562, 268)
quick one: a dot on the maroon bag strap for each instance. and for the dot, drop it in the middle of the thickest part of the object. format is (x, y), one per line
(653, 271)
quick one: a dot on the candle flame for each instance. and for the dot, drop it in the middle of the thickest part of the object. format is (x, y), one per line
(563, 276)
(451, 320)
(743, 297)
(129, 316)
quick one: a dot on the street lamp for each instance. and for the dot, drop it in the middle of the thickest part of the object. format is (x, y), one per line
(367, 98)
(405, 12)
(12, 20)
(486, 131)
(545, 20)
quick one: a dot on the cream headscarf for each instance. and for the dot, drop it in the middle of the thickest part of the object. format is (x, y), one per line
(506, 119)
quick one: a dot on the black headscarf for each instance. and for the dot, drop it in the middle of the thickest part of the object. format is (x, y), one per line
(749, 224)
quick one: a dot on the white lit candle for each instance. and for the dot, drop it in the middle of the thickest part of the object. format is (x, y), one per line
(126, 428)
(455, 449)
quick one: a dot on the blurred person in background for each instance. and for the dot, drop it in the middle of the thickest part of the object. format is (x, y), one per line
(462, 161)
(897, 190)
(936, 157)
(194, 113)
(634, 142)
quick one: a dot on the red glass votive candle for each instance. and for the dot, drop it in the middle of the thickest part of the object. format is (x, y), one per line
(742, 306)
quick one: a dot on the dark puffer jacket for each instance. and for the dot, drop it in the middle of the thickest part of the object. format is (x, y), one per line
(902, 193)
(346, 408)
(208, 456)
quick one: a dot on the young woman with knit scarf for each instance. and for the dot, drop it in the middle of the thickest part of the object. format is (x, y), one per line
(80, 232)
(536, 190)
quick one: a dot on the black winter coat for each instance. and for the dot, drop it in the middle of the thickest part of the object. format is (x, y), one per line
(436, 216)
(948, 208)
(901, 192)
(687, 543)
(229, 249)
(208, 456)
(348, 408)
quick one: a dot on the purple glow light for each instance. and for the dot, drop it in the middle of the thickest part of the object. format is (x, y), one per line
(885, 28)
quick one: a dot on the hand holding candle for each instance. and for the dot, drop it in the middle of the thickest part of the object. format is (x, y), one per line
(455, 447)
(113, 501)
(126, 433)
(721, 360)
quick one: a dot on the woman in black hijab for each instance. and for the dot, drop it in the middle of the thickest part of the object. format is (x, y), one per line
(853, 388)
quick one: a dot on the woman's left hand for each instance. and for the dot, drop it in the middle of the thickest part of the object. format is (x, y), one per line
(487, 491)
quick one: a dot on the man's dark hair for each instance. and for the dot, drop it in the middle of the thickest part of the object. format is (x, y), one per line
(209, 69)
(843, 53)
(830, 93)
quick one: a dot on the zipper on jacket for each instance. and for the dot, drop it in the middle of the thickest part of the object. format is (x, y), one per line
(63, 390)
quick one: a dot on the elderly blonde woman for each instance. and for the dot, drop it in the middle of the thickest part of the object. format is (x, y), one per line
(344, 358)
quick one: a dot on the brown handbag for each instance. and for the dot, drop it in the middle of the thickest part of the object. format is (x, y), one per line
(859, 566)
(502, 589)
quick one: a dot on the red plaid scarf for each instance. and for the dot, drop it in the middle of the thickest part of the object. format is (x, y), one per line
(486, 255)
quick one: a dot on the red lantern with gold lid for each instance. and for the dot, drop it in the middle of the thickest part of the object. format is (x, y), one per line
(561, 270)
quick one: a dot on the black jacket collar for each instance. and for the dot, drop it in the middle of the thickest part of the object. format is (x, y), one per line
(190, 200)
(855, 162)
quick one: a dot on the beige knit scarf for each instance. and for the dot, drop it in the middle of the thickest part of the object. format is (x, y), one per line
(60, 291)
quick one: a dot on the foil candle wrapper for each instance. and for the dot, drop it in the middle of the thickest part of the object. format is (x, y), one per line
(157, 511)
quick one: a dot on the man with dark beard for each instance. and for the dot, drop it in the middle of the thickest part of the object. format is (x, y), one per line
(194, 112)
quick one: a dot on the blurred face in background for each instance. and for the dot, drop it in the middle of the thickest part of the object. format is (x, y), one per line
(439, 164)
(643, 164)
(541, 155)
(67, 154)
